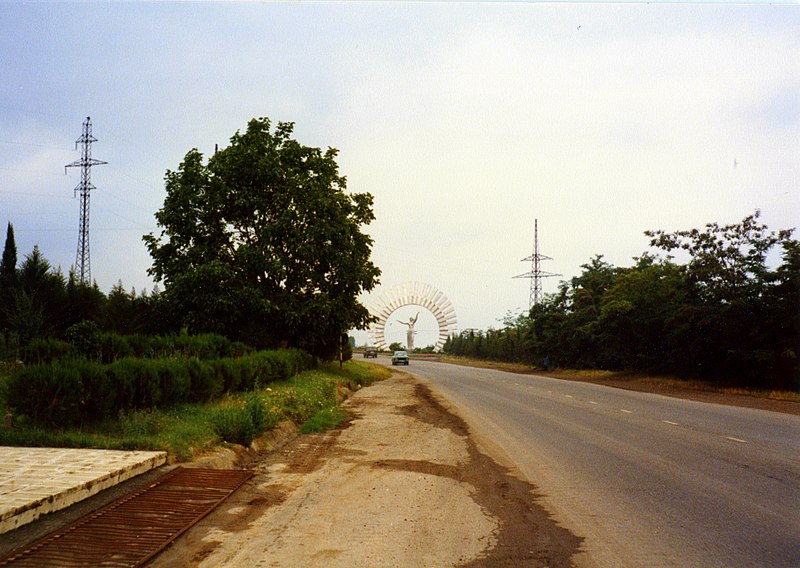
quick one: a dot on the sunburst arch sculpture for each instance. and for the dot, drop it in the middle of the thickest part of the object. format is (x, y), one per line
(413, 294)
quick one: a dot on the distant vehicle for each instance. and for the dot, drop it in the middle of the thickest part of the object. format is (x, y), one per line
(370, 352)
(400, 358)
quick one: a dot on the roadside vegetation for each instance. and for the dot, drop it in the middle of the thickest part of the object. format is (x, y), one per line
(723, 316)
(309, 399)
(262, 257)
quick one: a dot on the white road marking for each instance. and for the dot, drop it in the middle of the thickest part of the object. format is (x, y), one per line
(735, 439)
(626, 411)
(668, 422)
(592, 402)
(568, 395)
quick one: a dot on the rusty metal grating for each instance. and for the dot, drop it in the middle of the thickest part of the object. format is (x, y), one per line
(133, 529)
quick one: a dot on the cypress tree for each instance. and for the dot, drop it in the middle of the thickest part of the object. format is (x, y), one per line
(8, 281)
(8, 266)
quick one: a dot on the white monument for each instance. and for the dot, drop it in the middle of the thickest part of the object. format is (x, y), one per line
(413, 294)
(410, 333)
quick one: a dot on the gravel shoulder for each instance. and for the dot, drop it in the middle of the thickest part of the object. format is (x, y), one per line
(402, 484)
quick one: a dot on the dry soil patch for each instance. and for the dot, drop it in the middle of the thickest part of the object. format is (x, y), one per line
(402, 484)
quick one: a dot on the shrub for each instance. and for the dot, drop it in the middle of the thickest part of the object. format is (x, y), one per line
(43, 351)
(205, 383)
(140, 345)
(148, 384)
(75, 391)
(230, 371)
(233, 425)
(256, 409)
(49, 395)
(99, 391)
(114, 346)
(84, 336)
(280, 364)
(241, 422)
(122, 376)
(174, 380)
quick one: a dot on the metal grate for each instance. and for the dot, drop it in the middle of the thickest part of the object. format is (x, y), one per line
(133, 529)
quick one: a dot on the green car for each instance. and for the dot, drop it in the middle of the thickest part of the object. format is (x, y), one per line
(400, 358)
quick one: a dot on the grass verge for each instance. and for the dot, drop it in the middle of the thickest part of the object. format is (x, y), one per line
(310, 399)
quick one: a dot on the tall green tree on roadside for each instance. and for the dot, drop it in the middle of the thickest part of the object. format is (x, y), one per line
(8, 280)
(742, 316)
(39, 303)
(262, 242)
(8, 266)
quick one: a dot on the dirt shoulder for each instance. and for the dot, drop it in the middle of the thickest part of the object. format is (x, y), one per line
(402, 484)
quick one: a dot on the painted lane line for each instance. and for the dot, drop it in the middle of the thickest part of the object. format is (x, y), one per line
(568, 395)
(732, 439)
(592, 402)
(626, 411)
(668, 422)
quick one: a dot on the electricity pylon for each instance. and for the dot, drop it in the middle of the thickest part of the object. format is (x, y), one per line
(536, 274)
(82, 262)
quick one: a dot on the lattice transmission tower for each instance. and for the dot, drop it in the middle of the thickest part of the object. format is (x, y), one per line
(82, 262)
(536, 274)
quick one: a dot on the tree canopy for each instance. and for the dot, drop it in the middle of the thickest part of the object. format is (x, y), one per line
(262, 242)
(724, 315)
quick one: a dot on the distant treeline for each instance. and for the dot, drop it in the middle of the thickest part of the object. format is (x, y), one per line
(723, 315)
(38, 301)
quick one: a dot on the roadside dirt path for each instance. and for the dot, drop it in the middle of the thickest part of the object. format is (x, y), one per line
(402, 484)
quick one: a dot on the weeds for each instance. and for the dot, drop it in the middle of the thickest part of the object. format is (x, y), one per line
(324, 420)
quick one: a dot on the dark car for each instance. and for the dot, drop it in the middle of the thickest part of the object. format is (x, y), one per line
(370, 352)
(400, 358)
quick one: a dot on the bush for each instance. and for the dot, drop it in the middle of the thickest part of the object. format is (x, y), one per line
(122, 376)
(50, 395)
(43, 351)
(99, 391)
(233, 425)
(281, 364)
(174, 381)
(241, 423)
(114, 346)
(84, 336)
(75, 391)
(256, 409)
(206, 384)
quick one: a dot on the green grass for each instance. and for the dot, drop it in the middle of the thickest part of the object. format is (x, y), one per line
(309, 399)
(324, 420)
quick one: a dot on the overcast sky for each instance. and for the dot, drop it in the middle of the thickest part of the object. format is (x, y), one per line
(466, 121)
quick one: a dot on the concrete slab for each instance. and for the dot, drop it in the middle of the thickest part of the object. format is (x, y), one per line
(37, 481)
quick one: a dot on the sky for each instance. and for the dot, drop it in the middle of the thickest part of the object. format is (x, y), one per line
(466, 122)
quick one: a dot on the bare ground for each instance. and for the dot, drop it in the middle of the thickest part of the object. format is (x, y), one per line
(403, 484)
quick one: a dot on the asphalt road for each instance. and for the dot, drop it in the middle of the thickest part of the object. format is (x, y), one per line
(647, 480)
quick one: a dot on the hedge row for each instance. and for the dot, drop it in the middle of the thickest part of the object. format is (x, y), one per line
(109, 347)
(76, 392)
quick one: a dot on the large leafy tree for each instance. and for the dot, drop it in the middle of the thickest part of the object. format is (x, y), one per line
(263, 243)
(742, 314)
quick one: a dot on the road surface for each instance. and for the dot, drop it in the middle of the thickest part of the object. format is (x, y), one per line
(647, 480)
